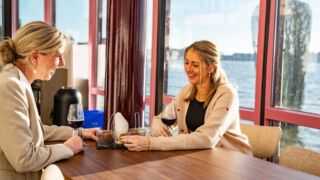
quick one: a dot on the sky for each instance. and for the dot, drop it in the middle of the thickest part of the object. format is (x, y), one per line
(226, 22)
(76, 23)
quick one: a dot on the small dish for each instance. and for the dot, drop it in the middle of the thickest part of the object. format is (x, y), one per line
(105, 138)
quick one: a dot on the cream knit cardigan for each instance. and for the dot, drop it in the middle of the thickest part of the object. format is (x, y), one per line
(221, 126)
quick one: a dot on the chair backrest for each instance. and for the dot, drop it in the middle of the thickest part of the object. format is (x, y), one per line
(301, 159)
(52, 172)
(264, 140)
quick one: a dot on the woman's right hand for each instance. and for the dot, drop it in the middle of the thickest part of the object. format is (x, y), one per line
(75, 143)
(158, 128)
(162, 132)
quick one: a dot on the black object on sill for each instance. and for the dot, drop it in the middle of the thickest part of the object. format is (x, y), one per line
(62, 100)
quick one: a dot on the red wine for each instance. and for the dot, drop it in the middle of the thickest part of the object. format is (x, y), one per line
(76, 124)
(168, 122)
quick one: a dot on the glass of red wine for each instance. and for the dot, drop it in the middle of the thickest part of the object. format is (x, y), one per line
(75, 116)
(168, 115)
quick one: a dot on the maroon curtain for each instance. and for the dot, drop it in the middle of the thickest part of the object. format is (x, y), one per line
(125, 47)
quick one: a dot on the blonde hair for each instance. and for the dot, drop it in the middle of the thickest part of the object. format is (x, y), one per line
(35, 35)
(210, 55)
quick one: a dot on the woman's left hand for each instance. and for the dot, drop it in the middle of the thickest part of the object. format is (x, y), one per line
(135, 142)
(91, 133)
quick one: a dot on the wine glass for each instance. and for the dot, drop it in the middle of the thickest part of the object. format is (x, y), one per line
(75, 116)
(138, 127)
(168, 115)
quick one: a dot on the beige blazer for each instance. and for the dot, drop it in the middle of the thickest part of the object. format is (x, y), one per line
(23, 154)
(221, 126)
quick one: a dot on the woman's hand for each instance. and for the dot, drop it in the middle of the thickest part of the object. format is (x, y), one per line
(162, 131)
(158, 128)
(74, 143)
(91, 133)
(135, 142)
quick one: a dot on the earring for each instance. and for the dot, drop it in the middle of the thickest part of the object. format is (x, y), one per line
(35, 69)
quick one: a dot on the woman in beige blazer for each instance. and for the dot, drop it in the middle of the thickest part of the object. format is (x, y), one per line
(35, 52)
(207, 109)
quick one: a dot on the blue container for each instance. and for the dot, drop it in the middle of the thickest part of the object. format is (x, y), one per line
(93, 118)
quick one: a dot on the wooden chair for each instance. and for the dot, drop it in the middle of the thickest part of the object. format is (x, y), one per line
(301, 159)
(264, 140)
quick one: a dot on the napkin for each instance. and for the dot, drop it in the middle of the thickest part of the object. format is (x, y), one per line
(120, 125)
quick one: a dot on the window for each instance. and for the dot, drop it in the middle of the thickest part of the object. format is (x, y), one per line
(221, 22)
(148, 61)
(101, 53)
(292, 58)
(297, 68)
(1, 22)
(294, 135)
(31, 10)
(292, 99)
(76, 23)
(102, 34)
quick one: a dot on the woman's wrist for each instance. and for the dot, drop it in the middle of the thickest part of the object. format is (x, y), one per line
(78, 132)
(148, 143)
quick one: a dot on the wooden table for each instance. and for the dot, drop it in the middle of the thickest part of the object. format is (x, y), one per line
(201, 164)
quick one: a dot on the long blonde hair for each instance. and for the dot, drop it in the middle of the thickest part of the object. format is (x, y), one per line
(210, 55)
(35, 35)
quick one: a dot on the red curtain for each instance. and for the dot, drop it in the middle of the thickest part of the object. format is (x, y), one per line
(125, 49)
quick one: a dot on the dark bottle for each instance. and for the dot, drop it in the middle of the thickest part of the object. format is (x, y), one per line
(62, 100)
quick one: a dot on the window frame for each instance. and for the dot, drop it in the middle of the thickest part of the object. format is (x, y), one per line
(255, 115)
(275, 113)
(263, 112)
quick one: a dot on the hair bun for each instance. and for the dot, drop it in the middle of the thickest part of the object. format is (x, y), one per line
(11, 44)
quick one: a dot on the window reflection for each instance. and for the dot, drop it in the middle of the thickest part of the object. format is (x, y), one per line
(297, 64)
(231, 24)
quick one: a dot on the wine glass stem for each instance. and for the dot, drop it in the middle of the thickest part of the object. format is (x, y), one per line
(169, 130)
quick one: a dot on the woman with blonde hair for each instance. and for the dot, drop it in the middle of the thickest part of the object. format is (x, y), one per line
(35, 52)
(207, 109)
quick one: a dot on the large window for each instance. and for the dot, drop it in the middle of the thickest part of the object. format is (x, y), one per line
(297, 68)
(221, 22)
(296, 73)
(291, 88)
